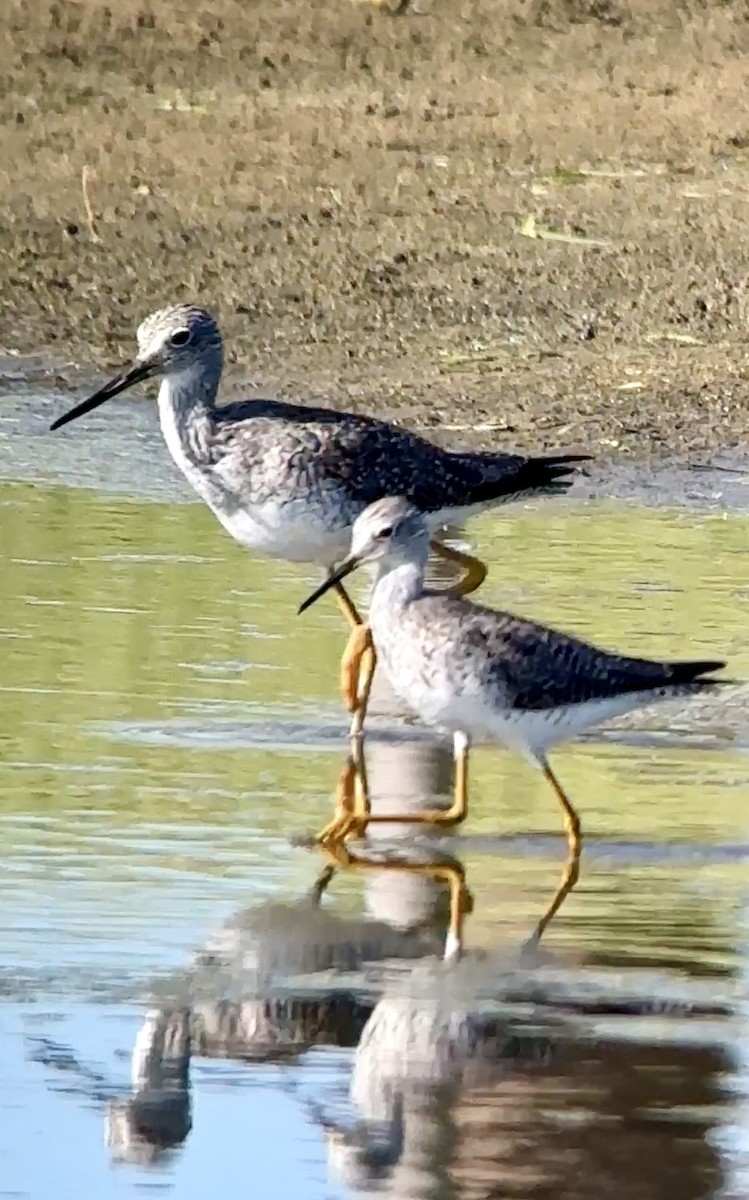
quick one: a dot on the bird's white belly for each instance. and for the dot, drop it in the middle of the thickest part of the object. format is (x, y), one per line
(289, 532)
(296, 531)
(528, 731)
(533, 731)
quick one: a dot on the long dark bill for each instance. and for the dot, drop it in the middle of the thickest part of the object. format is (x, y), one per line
(347, 566)
(112, 388)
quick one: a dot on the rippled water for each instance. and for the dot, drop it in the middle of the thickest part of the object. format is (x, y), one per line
(169, 727)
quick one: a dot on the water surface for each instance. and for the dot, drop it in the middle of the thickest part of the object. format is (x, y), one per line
(169, 726)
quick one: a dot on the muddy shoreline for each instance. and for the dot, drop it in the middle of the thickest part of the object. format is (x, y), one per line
(523, 227)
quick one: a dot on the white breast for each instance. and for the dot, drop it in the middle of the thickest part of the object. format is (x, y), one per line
(293, 530)
(287, 531)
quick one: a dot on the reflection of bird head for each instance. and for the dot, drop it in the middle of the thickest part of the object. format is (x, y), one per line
(366, 1152)
(157, 1115)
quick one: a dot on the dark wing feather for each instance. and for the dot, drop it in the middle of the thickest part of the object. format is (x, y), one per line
(538, 667)
(365, 455)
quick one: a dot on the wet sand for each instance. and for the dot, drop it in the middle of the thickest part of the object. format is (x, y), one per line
(352, 193)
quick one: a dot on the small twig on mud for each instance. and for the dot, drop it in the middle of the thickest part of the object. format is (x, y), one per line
(671, 335)
(530, 228)
(394, 7)
(85, 176)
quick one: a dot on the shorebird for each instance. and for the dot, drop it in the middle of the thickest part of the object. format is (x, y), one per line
(485, 675)
(288, 481)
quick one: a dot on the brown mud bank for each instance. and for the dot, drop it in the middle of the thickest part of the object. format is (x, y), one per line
(520, 222)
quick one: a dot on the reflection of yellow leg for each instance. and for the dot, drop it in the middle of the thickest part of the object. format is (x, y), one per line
(571, 870)
(362, 806)
(475, 570)
(459, 906)
(451, 872)
(320, 886)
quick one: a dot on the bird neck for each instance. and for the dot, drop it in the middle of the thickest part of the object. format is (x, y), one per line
(186, 405)
(397, 584)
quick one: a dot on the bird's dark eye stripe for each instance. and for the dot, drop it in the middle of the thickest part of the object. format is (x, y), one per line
(181, 337)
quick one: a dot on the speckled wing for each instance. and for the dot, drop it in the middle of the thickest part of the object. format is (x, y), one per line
(536, 667)
(271, 446)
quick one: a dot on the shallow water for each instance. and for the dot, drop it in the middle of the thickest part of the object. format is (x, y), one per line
(169, 727)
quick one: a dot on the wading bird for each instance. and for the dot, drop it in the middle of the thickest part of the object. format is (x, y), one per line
(288, 481)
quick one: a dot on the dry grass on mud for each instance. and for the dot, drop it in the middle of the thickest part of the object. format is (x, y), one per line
(518, 221)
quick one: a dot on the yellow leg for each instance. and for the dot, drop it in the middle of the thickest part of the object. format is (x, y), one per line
(346, 605)
(475, 569)
(357, 672)
(356, 647)
(358, 662)
(367, 666)
(453, 815)
(569, 816)
(571, 869)
(569, 877)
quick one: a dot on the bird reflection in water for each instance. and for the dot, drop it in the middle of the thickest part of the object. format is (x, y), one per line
(417, 860)
(263, 988)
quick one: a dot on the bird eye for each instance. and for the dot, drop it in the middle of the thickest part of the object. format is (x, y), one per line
(181, 337)
(386, 532)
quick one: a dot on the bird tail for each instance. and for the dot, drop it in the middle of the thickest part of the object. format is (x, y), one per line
(544, 475)
(698, 673)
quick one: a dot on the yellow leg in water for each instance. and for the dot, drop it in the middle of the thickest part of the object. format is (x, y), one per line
(458, 810)
(571, 870)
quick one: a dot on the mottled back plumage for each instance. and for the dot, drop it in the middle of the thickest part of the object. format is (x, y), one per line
(270, 441)
(536, 667)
